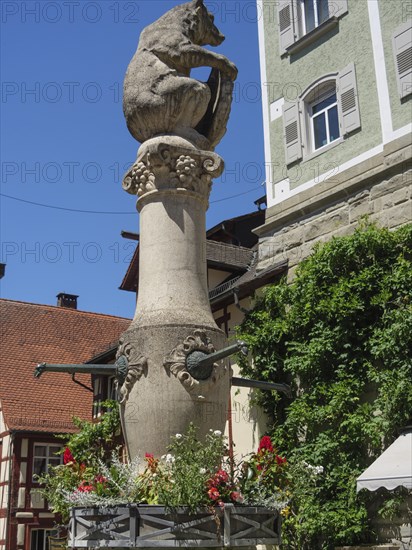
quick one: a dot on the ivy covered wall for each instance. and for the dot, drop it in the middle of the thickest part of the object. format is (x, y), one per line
(341, 335)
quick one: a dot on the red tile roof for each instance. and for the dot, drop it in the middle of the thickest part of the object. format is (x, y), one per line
(32, 334)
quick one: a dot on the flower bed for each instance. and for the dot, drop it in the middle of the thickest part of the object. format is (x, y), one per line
(142, 526)
(196, 495)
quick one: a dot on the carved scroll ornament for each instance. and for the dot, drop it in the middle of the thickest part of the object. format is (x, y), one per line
(135, 366)
(176, 363)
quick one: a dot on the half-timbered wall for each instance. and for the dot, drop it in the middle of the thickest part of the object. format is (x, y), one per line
(23, 512)
(5, 454)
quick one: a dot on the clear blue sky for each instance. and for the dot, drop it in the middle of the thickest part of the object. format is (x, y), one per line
(64, 143)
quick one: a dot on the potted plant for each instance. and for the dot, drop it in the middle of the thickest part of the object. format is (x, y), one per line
(185, 498)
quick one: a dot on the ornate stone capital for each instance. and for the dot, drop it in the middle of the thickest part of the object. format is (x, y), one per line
(176, 363)
(135, 367)
(171, 163)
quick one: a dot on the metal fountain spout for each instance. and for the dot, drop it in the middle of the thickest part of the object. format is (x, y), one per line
(118, 369)
(200, 364)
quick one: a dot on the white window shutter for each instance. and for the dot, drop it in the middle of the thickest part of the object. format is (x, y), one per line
(337, 7)
(402, 48)
(349, 116)
(292, 135)
(286, 24)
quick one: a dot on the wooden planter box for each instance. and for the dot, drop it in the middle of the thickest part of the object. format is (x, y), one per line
(143, 526)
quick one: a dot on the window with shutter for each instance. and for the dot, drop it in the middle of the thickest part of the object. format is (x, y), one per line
(291, 125)
(402, 48)
(301, 22)
(349, 115)
(326, 111)
(286, 24)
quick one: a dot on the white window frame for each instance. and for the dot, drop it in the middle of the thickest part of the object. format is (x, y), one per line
(298, 137)
(293, 35)
(302, 8)
(47, 457)
(47, 533)
(312, 116)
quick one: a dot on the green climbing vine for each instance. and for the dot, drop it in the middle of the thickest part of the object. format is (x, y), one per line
(96, 441)
(341, 335)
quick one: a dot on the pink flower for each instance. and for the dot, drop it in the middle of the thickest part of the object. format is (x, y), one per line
(213, 493)
(68, 458)
(236, 497)
(265, 444)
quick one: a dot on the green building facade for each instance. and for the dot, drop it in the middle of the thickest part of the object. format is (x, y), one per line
(336, 88)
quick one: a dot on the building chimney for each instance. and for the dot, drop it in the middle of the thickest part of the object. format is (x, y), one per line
(2, 270)
(67, 300)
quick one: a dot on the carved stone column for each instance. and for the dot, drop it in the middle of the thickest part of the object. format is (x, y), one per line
(172, 179)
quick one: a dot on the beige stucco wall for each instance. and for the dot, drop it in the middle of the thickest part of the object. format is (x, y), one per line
(215, 277)
(248, 422)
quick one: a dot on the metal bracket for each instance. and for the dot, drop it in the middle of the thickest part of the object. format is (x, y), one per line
(260, 385)
(81, 384)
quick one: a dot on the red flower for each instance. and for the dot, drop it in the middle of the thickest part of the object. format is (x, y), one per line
(213, 493)
(67, 456)
(211, 482)
(100, 479)
(152, 462)
(221, 476)
(236, 497)
(280, 460)
(265, 444)
(85, 487)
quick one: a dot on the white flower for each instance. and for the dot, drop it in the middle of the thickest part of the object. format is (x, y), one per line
(218, 433)
(313, 469)
(178, 436)
(170, 459)
(202, 470)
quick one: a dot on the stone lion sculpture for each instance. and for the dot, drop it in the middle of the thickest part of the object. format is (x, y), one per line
(161, 98)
